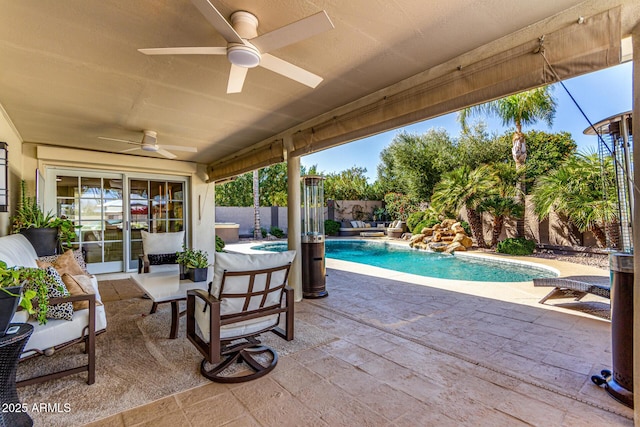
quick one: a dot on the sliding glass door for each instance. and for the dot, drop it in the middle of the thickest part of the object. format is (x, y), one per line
(111, 210)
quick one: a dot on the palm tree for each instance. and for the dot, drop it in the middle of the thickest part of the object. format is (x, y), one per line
(583, 189)
(257, 232)
(501, 203)
(521, 109)
(463, 187)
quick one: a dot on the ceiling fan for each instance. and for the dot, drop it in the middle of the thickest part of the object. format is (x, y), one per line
(245, 49)
(149, 143)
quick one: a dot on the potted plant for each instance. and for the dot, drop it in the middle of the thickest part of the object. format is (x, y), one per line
(44, 231)
(11, 281)
(193, 263)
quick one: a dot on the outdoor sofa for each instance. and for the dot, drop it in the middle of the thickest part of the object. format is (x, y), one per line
(354, 228)
(57, 334)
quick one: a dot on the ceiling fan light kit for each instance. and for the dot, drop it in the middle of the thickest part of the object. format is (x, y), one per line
(246, 49)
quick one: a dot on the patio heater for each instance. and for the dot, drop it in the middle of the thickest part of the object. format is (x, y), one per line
(313, 264)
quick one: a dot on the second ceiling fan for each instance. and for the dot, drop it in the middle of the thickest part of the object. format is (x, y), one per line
(246, 49)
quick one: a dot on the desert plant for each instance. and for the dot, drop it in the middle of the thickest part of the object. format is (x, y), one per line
(516, 246)
(331, 227)
(277, 232)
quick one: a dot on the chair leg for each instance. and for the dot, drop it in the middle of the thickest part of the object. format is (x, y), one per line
(248, 355)
(154, 307)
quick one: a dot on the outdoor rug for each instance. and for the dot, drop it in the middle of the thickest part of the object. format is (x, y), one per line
(136, 364)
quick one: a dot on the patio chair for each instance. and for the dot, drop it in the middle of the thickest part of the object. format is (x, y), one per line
(158, 249)
(244, 300)
(575, 287)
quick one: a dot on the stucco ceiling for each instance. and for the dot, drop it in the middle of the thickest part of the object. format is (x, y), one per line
(70, 70)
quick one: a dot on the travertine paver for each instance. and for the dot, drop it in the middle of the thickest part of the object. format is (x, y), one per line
(411, 352)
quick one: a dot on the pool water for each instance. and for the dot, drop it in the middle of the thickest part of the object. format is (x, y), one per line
(430, 264)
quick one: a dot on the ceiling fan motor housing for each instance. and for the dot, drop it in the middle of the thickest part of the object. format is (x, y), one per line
(244, 55)
(149, 141)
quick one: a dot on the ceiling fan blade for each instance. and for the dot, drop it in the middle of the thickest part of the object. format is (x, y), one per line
(128, 150)
(178, 148)
(218, 50)
(293, 33)
(166, 154)
(128, 141)
(287, 69)
(236, 79)
(218, 21)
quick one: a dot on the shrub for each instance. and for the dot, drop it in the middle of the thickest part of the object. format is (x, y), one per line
(467, 228)
(331, 227)
(414, 218)
(424, 223)
(277, 232)
(516, 246)
(263, 232)
(219, 244)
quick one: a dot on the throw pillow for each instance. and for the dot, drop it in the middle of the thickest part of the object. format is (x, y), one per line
(162, 243)
(65, 263)
(77, 255)
(79, 285)
(55, 288)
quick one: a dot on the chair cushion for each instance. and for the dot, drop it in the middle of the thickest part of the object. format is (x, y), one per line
(246, 327)
(162, 243)
(226, 261)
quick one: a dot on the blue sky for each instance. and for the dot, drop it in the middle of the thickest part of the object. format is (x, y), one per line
(600, 95)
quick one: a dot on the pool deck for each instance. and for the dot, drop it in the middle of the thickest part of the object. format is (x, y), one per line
(413, 350)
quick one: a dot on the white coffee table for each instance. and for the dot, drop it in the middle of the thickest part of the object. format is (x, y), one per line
(165, 286)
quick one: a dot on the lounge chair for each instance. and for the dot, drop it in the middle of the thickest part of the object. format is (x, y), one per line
(575, 287)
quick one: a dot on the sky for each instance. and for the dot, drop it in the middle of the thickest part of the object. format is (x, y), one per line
(600, 95)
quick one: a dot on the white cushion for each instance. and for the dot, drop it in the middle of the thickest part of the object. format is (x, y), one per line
(162, 243)
(354, 224)
(243, 262)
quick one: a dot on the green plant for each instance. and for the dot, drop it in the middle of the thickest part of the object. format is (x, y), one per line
(422, 224)
(30, 215)
(263, 232)
(516, 246)
(414, 218)
(275, 231)
(12, 276)
(331, 227)
(467, 227)
(219, 244)
(380, 214)
(192, 258)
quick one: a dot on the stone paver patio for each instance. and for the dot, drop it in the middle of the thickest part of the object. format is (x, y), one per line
(414, 351)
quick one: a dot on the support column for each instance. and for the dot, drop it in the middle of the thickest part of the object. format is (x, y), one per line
(636, 222)
(294, 219)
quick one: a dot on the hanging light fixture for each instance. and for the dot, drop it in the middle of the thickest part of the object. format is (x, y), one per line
(4, 176)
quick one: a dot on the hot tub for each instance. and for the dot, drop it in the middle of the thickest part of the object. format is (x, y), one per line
(228, 231)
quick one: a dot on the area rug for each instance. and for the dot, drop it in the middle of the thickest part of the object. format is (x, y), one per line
(136, 364)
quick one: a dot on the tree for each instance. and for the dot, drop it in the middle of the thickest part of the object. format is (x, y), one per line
(257, 232)
(349, 184)
(463, 187)
(523, 108)
(500, 203)
(412, 164)
(583, 189)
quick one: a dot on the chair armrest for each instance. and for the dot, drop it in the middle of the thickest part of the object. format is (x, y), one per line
(203, 295)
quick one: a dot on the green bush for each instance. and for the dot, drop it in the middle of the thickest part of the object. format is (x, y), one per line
(516, 246)
(219, 244)
(424, 223)
(467, 228)
(263, 232)
(331, 227)
(414, 218)
(275, 231)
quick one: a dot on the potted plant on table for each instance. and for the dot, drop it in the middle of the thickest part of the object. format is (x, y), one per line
(44, 231)
(12, 280)
(193, 264)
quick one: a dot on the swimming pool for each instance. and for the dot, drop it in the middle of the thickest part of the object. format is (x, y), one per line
(430, 264)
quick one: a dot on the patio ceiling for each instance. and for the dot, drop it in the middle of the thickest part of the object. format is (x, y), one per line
(71, 71)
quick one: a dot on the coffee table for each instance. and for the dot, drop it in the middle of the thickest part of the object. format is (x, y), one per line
(165, 286)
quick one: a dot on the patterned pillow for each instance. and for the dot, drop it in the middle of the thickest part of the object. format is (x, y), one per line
(158, 259)
(77, 256)
(56, 288)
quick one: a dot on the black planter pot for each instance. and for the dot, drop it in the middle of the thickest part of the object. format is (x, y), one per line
(198, 274)
(43, 240)
(8, 306)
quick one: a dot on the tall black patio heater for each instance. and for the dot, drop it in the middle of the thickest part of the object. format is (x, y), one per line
(313, 264)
